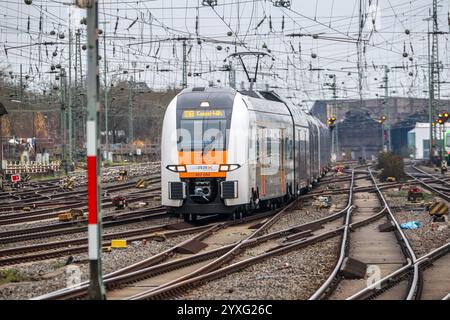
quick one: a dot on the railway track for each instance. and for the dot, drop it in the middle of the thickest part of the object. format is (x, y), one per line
(49, 213)
(427, 277)
(146, 269)
(65, 228)
(41, 200)
(383, 252)
(203, 264)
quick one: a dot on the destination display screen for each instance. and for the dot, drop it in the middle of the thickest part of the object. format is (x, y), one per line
(204, 114)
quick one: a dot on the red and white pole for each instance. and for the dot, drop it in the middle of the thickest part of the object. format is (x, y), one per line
(96, 286)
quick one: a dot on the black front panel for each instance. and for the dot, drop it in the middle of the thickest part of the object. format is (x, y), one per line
(229, 189)
(176, 190)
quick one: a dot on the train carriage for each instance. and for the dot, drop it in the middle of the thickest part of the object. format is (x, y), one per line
(227, 152)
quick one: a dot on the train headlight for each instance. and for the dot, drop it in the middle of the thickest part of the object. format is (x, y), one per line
(176, 168)
(228, 167)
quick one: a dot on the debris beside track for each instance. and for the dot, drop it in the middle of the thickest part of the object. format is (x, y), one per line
(305, 212)
(430, 235)
(295, 275)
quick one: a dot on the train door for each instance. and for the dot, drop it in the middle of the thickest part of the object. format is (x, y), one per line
(282, 162)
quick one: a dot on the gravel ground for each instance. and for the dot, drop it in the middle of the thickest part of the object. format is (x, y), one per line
(39, 278)
(430, 235)
(306, 212)
(295, 275)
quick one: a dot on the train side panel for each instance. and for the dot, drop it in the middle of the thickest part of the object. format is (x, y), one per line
(238, 152)
(169, 154)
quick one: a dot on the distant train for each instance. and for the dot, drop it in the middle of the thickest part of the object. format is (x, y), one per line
(229, 152)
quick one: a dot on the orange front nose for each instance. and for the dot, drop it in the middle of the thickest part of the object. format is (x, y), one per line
(199, 158)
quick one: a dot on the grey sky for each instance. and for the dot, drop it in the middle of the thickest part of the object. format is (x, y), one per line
(157, 20)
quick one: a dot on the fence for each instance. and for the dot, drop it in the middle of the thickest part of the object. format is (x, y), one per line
(13, 167)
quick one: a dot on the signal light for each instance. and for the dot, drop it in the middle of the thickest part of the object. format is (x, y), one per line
(382, 119)
(443, 117)
(331, 120)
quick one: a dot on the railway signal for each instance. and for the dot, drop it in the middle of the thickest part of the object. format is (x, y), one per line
(382, 119)
(15, 178)
(331, 121)
(443, 117)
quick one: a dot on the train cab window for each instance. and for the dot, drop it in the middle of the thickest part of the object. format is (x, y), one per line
(201, 135)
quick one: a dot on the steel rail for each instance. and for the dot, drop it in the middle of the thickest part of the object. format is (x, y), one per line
(411, 259)
(342, 254)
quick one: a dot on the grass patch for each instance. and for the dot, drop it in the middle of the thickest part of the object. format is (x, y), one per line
(10, 275)
(58, 264)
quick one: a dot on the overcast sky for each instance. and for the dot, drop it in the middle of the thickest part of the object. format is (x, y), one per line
(140, 41)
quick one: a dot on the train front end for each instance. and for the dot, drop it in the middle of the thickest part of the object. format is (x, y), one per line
(203, 153)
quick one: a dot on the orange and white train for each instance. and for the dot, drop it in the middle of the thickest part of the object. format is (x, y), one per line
(228, 152)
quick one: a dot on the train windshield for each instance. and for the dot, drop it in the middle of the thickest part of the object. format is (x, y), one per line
(202, 134)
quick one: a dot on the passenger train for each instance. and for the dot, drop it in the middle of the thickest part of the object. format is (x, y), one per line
(228, 152)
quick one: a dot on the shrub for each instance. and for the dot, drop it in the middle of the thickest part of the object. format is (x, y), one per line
(391, 165)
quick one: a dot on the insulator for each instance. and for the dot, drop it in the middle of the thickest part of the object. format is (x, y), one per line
(54, 53)
(52, 33)
(28, 25)
(260, 23)
(313, 55)
(58, 66)
(117, 23)
(196, 24)
(407, 31)
(270, 23)
(282, 24)
(61, 36)
(132, 24)
(229, 33)
(28, 2)
(84, 47)
(219, 47)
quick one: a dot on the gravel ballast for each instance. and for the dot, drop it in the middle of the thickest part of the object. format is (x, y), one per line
(295, 275)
